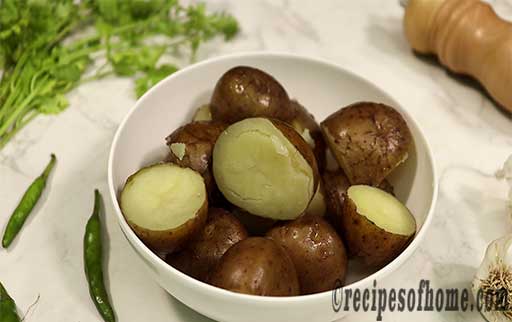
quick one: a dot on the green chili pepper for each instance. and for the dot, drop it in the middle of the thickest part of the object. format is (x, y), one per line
(27, 203)
(8, 311)
(93, 261)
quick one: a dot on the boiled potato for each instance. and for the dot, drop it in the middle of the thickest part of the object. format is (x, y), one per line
(191, 146)
(316, 250)
(266, 168)
(257, 266)
(165, 205)
(203, 252)
(202, 113)
(336, 184)
(244, 92)
(368, 140)
(376, 225)
(255, 225)
(308, 128)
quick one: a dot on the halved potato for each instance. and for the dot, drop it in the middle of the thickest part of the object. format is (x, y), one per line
(257, 266)
(191, 146)
(308, 128)
(368, 140)
(266, 168)
(336, 184)
(244, 92)
(165, 205)
(376, 225)
(316, 250)
(204, 250)
(202, 113)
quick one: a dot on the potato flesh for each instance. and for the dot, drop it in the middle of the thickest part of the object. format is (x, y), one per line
(163, 197)
(259, 170)
(203, 113)
(383, 209)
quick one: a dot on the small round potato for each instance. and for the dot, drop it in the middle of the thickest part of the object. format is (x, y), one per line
(191, 146)
(203, 252)
(165, 205)
(244, 92)
(316, 250)
(266, 168)
(368, 140)
(257, 266)
(376, 225)
(304, 122)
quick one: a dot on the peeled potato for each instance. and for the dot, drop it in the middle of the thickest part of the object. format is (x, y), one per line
(257, 266)
(244, 92)
(308, 128)
(265, 167)
(316, 250)
(204, 250)
(368, 140)
(165, 205)
(376, 225)
(191, 146)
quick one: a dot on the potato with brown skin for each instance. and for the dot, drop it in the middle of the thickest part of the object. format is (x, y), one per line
(165, 205)
(257, 266)
(191, 146)
(336, 184)
(203, 252)
(244, 92)
(266, 168)
(368, 140)
(376, 226)
(316, 250)
(305, 123)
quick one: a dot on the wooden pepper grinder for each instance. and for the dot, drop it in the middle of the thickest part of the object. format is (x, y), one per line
(468, 38)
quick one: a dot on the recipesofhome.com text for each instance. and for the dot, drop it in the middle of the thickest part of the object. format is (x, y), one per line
(423, 298)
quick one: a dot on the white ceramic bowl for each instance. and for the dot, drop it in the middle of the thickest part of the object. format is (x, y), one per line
(320, 86)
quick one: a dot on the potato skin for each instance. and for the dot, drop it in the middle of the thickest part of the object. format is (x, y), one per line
(316, 250)
(167, 241)
(368, 140)
(257, 266)
(302, 146)
(366, 240)
(203, 252)
(199, 138)
(305, 120)
(244, 92)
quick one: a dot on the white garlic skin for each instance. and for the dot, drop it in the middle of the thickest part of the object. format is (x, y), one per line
(498, 252)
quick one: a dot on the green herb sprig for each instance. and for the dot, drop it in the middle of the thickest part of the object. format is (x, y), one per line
(46, 47)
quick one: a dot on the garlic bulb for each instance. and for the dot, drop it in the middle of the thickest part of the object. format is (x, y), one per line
(493, 278)
(506, 174)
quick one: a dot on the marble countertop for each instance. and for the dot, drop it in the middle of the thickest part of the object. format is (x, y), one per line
(470, 137)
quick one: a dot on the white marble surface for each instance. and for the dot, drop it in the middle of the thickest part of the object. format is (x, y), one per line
(470, 138)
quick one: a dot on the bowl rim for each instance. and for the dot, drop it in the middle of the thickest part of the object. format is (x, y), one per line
(268, 300)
